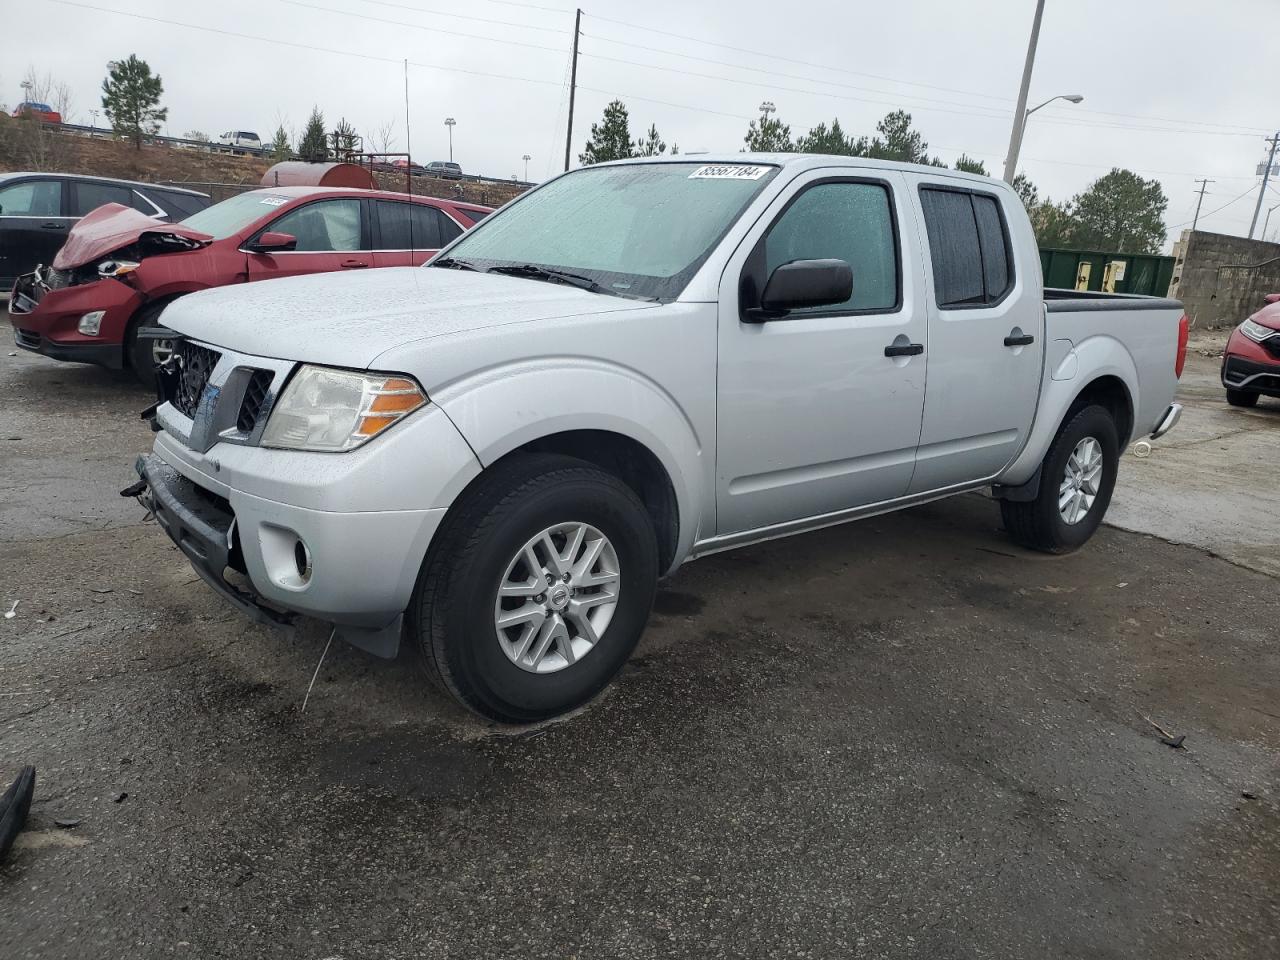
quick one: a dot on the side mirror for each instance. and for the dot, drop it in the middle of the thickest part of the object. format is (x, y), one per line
(273, 242)
(804, 283)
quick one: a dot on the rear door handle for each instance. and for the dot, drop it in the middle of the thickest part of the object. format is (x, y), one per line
(53, 226)
(1024, 340)
(348, 264)
(906, 350)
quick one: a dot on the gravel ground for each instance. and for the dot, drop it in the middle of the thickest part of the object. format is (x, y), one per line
(900, 738)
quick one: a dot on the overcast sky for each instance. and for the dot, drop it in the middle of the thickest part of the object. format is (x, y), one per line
(1176, 89)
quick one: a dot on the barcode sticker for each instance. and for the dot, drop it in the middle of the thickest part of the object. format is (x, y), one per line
(728, 171)
(274, 201)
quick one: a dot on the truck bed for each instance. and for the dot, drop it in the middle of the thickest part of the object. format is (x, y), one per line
(1062, 300)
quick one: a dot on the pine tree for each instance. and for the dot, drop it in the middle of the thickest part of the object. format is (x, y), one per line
(769, 136)
(611, 138)
(131, 98)
(314, 146)
(280, 149)
(650, 145)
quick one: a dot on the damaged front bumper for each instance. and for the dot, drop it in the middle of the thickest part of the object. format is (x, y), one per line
(46, 319)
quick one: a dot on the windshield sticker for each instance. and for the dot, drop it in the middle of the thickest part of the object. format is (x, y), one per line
(728, 171)
(274, 201)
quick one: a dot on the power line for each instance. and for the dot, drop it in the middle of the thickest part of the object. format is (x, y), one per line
(299, 46)
(898, 80)
(460, 16)
(1206, 216)
(418, 26)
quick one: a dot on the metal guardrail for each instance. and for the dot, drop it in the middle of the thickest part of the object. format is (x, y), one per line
(227, 148)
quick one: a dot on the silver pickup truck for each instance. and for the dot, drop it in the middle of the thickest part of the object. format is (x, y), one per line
(496, 456)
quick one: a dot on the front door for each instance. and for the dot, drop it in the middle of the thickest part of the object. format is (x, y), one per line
(813, 417)
(331, 235)
(33, 226)
(986, 336)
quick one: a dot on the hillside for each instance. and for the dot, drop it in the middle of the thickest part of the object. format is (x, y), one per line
(218, 174)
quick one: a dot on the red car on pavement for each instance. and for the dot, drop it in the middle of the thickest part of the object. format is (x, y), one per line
(119, 268)
(1251, 362)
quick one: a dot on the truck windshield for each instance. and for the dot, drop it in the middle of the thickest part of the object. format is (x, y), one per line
(232, 215)
(636, 230)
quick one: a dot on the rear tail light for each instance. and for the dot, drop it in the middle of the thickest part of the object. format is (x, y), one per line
(1184, 332)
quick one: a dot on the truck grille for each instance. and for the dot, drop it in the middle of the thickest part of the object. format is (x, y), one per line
(195, 364)
(255, 396)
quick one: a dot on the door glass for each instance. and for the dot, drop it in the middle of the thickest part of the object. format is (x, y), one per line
(32, 198)
(842, 221)
(407, 226)
(954, 247)
(326, 226)
(89, 196)
(449, 231)
(995, 247)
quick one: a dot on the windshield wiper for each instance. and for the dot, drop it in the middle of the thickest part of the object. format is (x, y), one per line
(535, 272)
(453, 263)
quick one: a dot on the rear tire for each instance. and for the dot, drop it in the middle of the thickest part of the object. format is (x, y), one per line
(143, 354)
(491, 540)
(1073, 498)
(1242, 398)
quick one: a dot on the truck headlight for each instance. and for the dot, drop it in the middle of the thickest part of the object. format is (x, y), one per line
(1256, 331)
(330, 410)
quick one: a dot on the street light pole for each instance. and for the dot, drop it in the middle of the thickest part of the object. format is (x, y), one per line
(1020, 114)
(526, 158)
(1011, 166)
(450, 122)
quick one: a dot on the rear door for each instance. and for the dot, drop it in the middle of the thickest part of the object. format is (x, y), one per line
(409, 234)
(813, 417)
(33, 225)
(985, 337)
(332, 235)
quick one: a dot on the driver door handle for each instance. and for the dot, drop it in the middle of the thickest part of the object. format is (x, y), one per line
(1025, 340)
(349, 264)
(906, 350)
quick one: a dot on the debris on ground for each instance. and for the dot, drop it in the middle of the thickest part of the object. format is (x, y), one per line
(11, 612)
(1167, 738)
(68, 823)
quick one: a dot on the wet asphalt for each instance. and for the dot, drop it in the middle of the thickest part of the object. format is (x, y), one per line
(902, 738)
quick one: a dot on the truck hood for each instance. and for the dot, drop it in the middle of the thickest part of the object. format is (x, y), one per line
(114, 227)
(348, 319)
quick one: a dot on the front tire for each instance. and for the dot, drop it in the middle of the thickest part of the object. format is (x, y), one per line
(1077, 478)
(536, 589)
(1242, 398)
(144, 353)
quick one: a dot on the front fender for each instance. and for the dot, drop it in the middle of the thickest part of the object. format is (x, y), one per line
(1092, 358)
(506, 407)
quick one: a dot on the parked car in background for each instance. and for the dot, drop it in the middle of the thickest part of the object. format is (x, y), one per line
(444, 169)
(1251, 362)
(630, 366)
(401, 163)
(41, 111)
(241, 138)
(102, 298)
(38, 209)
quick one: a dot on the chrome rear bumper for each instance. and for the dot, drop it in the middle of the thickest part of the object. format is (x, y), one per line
(1168, 421)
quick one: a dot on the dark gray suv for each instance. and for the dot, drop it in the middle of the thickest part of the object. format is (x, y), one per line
(37, 210)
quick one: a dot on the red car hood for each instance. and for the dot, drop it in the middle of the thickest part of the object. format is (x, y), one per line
(109, 228)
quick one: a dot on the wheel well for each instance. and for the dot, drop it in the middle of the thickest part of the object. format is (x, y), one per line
(159, 303)
(1111, 393)
(632, 463)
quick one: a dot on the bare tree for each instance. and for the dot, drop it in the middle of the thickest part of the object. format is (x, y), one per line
(383, 137)
(47, 89)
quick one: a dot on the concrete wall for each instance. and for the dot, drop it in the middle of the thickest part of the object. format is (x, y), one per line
(1221, 279)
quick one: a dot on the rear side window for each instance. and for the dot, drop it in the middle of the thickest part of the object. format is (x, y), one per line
(969, 246)
(852, 222)
(408, 226)
(87, 196)
(449, 230)
(475, 216)
(179, 206)
(32, 198)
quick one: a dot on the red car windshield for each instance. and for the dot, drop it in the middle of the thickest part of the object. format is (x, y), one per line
(232, 215)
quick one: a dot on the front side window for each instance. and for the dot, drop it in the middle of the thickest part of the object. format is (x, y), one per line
(969, 246)
(90, 196)
(32, 198)
(327, 226)
(852, 222)
(639, 230)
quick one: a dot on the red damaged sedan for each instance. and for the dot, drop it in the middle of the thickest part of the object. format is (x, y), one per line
(100, 301)
(1251, 362)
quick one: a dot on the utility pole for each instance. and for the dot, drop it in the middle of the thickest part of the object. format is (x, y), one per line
(1203, 186)
(1266, 175)
(1020, 113)
(573, 86)
(450, 123)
